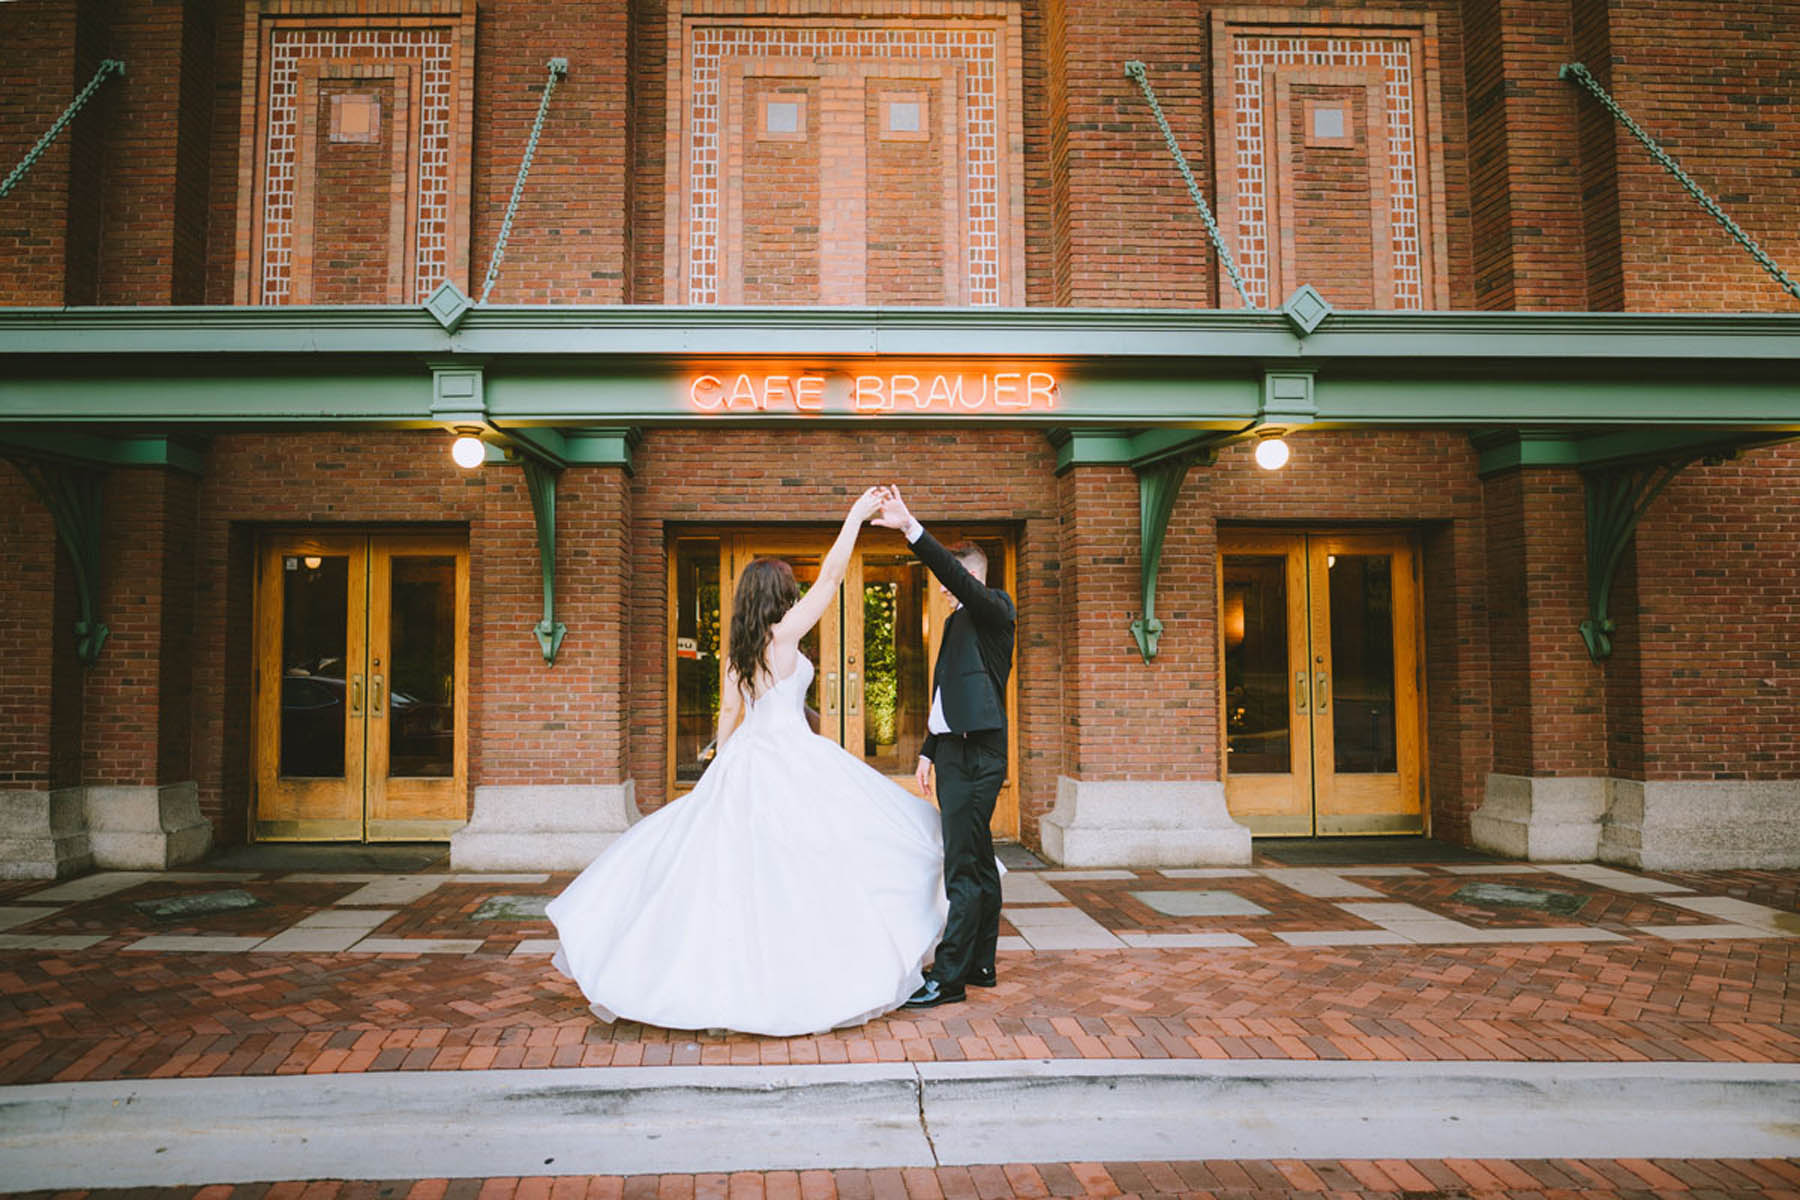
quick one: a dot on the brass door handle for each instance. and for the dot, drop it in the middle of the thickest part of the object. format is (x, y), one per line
(854, 697)
(375, 697)
(1301, 703)
(1321, 691)
(356, 695)
(831, 693)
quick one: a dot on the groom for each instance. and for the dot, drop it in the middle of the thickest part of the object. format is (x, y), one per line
(966, 740)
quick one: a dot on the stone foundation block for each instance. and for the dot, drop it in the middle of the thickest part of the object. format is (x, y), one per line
(1703, 825)
(544, 828)
(1126, 823)
(43, 834)
(1541, 819)
(146, 828)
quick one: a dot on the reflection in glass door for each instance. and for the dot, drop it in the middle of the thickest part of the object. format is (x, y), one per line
(1319, 642)
(872, 653)
(361, 687)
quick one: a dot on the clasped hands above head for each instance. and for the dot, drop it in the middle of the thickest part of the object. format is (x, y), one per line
(882, 505)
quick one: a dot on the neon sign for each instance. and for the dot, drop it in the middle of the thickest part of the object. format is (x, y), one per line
(899, 392)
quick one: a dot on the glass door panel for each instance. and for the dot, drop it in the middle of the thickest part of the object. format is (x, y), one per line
(894, 663)
(699, 642)
(311, 688)
(823, 645)
(1268, 757)
(417, 687)
(1365, 678)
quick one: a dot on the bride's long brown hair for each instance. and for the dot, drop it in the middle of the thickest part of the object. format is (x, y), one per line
(765, 591)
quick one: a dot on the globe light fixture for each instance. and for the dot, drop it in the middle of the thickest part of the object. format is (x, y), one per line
(468, 450)
(1271, 452)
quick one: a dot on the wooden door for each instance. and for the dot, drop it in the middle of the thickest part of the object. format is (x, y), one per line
(1322, 716)
(360, 687)
(872, 652)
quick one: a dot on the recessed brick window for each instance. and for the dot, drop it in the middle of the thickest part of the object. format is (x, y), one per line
(355, 117)
(1328, 124)
(903, 117)
(783, 117)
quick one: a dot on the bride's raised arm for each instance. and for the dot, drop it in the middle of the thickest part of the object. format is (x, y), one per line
(810, 607)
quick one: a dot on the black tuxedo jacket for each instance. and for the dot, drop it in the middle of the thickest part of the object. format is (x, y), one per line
(975, 657)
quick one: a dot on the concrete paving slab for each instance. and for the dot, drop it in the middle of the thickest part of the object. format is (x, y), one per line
(1618, 881)
(1694, 933)
(14, 915)
(50, 941)
(1183, 941)
(197, 943)
(1021, 887)
(1740, 912)
(666, 1120)
(374, 945)
(483, 877)
(394, 889)
(1378, 871)
(543, 946)
(1051, 938)
(346, 918)
(1009, 942)
(311, 941)
(1097, 873)
(1208, 872)
(1318, 882)
(1201, 904)
(1383, 911)
(1342, 937)
(1490, 868)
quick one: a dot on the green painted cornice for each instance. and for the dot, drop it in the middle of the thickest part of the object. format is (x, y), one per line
(1059, 334)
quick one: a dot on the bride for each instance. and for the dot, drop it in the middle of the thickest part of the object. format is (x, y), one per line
(795, 889)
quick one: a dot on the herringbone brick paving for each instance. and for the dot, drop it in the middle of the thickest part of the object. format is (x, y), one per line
(1248, 1179)
(109, 1013)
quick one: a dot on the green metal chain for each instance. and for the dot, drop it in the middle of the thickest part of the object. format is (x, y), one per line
(1136, 70)
(107, 68)
(1580, 73)
(558, 68)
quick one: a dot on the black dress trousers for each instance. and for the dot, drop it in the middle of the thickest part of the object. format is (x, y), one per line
(970, 770)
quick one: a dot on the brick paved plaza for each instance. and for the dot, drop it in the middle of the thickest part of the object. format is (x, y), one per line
(340, 973)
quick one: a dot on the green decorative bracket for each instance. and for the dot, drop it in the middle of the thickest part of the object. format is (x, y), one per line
(541, 480)
(72, 492)
(1159, 484)
(1616, 500)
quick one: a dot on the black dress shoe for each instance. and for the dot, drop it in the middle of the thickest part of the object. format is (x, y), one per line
(932, 994)
(980, 978)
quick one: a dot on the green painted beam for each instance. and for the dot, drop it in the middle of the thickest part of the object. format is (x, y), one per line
(1509, 449)
(102, 450)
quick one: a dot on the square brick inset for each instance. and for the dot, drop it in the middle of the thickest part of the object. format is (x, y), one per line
(905, 116)
(355, 117)
(783, 117)
(1328, 124)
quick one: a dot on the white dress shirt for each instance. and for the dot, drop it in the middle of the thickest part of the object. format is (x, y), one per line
(935, 722)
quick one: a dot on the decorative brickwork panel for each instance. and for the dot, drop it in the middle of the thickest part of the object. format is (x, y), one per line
(963, 76)
(1271, 157)
(421, 68)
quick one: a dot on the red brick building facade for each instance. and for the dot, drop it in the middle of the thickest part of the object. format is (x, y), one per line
(232, 369)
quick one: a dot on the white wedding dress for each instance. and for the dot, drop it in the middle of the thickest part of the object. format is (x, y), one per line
(794, 890)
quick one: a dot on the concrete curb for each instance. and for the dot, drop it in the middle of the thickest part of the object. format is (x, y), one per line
(613, 1121)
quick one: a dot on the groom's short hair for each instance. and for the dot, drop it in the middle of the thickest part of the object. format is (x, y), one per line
(970, 556)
